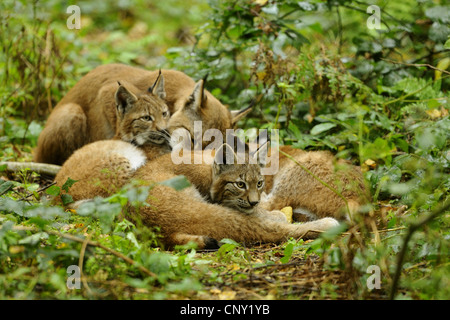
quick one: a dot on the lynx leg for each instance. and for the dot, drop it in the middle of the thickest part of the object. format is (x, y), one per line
(303, 215)
(203, 242)
(65, 132)
(275, 215)
(311, 229)
(182, 219)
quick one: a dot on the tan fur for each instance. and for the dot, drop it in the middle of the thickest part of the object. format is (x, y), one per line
(236, 185)
(100, 168)
(182, 216)
(293, 186)
(87, 113)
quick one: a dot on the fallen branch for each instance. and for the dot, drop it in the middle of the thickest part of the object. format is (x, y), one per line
(37, 191)
(41, 168)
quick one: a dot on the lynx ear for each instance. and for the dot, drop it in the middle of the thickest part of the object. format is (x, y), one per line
(237, 115)
(124, 99)
(224, 156)
(198, 96)
(158, 88)
(261, 153)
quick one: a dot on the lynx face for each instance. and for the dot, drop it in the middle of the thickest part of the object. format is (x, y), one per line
(200, 105)
(143, 117)
(238, 186)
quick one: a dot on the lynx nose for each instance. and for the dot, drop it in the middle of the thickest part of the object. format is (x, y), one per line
(253, 203)
(161, 128)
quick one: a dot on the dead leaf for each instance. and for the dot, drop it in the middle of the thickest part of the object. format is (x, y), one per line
(215, 291)
(434, 113)
(16, 249)
(261, 2)
(288, 213)
(227, 295)
(370, 163)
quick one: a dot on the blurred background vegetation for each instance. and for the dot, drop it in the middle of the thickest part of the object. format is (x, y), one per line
(378, 97)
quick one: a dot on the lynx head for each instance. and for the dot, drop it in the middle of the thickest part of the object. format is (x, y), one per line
(142, 117)
(237, 182)
(202, 106)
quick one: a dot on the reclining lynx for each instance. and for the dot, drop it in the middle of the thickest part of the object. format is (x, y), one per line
(291, 185)
(87, 113)
(243, 187)
(310, 199)
(185, 215)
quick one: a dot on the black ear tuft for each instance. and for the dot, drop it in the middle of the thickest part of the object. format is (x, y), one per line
(205, 78)
(158, 88)
(236, 115)
(154, 84)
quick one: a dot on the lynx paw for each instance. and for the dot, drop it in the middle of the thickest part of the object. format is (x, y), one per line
(277, 215)
(325, 224)
(211, 243)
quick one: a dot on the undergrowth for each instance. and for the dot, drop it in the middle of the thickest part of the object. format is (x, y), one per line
(378, 98)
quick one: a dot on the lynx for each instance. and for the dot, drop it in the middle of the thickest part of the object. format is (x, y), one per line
(240, 184)
(87, 112)
(243, 187)
(182, 216)
(234, 185)
(292, 186)
(142, 118)
(310, 199)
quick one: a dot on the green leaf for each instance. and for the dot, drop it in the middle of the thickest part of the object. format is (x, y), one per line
(66, 199)
(322, 128)
(287, 253)
(225, 248)
(230, 241)
(178, 182)
(447, 44)
(33, 239)
(5, 186)
(297, 133)
(132, 238)
(438, 32)
(439, 13)
(68, 184)
(53, 190)
(430, 138)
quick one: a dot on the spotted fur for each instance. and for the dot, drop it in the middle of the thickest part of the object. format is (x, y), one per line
(142, 117)
(235, 185)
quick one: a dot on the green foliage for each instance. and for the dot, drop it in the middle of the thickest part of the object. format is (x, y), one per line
(378, 98)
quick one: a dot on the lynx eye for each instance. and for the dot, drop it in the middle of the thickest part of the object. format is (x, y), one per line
(147, 118)
(240, 184)
(260, 184)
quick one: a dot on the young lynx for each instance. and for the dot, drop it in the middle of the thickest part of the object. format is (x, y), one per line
(142, 118)
(185, 215)
(88, 111)
(293, 186)
(241, 184)
(243, 187)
